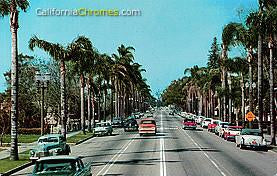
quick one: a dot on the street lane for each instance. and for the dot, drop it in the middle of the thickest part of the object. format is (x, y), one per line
(173, 151)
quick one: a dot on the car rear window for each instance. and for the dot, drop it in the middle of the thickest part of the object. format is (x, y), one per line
(208, 120)
(148, 122)
(50, 139)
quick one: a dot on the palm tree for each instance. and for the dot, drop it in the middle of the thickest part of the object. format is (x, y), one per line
(59, 53)
(82, 53)
(228, 38)
(11, 7)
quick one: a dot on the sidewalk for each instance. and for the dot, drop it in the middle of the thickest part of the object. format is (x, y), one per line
(27, 146)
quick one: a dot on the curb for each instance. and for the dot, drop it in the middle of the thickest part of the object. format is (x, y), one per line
(83, 140)
(12, 171)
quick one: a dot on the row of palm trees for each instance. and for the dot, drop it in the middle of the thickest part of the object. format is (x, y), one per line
(116, 76)
(219, 89)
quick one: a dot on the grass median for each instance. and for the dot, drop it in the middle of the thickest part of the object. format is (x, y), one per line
(6, 164)
(78, 137)
(22, 138)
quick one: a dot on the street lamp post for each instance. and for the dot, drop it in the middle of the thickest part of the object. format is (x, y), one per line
(42, 83)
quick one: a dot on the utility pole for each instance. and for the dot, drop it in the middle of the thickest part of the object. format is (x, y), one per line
(42, 83)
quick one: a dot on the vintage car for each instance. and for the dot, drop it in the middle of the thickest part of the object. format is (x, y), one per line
(62, 166)
(131, 125)
(252, 138)
(220, 128)
(147, 126)
(49, 145)
(206, 122)
(103, 128)
(189, 124)
(117, 122)
(231, 132)
(212, 125)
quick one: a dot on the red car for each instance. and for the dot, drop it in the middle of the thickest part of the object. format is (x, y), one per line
(231, 132)
(147, 126)
(212, 125)
(190, 124)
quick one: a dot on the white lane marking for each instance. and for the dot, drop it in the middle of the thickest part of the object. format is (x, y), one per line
(115, 158)
(209, 158)
(162, 152)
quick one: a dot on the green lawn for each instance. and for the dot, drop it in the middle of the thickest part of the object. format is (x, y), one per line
(7, 164)
(22, 138)
(78, 137)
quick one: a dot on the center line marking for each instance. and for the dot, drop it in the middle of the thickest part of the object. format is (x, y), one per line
(162, 152)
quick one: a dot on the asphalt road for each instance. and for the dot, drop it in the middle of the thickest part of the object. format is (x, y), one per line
(173, 152)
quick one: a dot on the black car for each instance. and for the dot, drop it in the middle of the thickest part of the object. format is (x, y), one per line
(131, 125)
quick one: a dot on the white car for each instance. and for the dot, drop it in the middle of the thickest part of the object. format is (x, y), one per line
(199, 119)
(219, 129)
(206, 122)
(251, 138)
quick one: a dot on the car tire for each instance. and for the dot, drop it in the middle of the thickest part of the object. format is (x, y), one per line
(237, 145)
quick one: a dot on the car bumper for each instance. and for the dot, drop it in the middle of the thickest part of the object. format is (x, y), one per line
(190, 127)
(101, 132)
(147, 132)
(130, 128)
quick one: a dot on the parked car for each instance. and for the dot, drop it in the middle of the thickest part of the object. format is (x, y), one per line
(61, 165)
(131, 125)
(189, 124)
(147, 126)
(220, 128)
(199, 119)
(206, 122)
(212, 125)
(103, 128)
(252, 138)
(231, 132)
(117, 122)
(50, 145)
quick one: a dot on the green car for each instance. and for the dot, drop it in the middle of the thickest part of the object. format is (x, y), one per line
(61, 165)
(50, 145)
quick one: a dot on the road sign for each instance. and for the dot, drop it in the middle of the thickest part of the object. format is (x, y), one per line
(250, 116)
(43, 77)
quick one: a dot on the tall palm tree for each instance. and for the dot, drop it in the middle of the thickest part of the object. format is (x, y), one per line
(12, 7)
(59, 53)
(82, 53)
(228, 38)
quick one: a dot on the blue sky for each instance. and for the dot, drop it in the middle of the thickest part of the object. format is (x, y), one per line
(170, 36)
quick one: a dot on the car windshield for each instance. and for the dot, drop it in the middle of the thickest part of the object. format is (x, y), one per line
(56, 165)
(49, 139)
(216, 122)
(255, 133)
(102, 124)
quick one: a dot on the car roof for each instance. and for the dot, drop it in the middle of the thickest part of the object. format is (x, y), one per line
(50, 135)
(59, 157)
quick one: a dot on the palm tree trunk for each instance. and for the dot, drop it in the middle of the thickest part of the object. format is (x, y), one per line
(14, 83)
(224, 56)
(230, 97)
(105, 104)
(89, 104)
(83, 120)
(242, 100)
(260, 79)
(63, 99)
(271, 93)
(250, 80)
